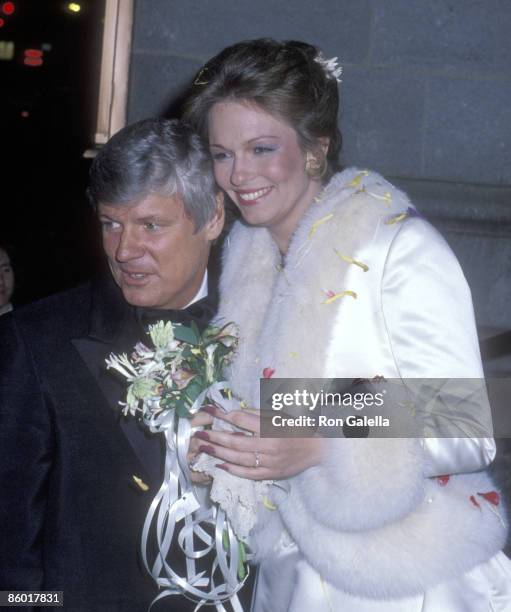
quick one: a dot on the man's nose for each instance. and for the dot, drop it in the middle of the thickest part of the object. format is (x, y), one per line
(240, 171)
(129, 246)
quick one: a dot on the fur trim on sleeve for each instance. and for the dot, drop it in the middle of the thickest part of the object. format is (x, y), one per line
(428, 546)
(342, 491)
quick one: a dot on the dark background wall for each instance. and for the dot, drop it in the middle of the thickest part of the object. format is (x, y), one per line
(426, 100)
(48, 115)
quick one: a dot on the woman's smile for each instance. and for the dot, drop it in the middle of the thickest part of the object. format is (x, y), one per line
(249, 197)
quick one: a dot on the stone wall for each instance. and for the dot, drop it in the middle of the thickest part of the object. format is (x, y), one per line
(426, 100)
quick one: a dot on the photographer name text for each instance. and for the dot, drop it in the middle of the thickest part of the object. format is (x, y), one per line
(321, 420)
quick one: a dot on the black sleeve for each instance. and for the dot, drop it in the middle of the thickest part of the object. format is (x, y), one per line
(26, 443)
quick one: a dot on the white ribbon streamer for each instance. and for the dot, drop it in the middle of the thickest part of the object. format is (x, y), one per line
(179, 501)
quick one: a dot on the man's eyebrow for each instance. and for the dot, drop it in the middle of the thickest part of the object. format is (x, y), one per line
(156, 217)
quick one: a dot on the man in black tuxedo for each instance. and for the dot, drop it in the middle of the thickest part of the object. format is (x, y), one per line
(76, 479)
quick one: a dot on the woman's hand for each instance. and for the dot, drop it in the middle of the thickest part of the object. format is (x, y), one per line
(201, 419)
(244, 454)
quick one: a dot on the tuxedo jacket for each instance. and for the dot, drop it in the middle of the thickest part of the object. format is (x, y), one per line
(71, 511)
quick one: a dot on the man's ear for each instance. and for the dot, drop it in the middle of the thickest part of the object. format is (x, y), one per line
(215, 225)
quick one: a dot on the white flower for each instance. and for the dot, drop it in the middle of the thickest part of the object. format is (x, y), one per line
(329, 66)
(142, 352)
(153, 367)
(122, 364)
(210, 362)
(162, 334)
(141, 389)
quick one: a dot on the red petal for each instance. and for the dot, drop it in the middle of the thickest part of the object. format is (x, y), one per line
(474, 501)
(492, 496)
(443, 480)
(268, 372)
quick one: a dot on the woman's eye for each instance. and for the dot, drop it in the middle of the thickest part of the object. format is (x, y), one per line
(261, 150)
(219, 156)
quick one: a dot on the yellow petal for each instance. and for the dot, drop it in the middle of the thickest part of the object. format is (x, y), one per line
(199, 79)
(386, 197)
(268, 505)
(396, 218)
(341, 294)
(139, 482)
(350, 260)
(319, 222)
(356, 181)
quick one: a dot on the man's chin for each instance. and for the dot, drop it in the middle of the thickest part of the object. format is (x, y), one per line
(138, 296)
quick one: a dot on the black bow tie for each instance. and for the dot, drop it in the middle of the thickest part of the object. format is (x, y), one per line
(201, 312)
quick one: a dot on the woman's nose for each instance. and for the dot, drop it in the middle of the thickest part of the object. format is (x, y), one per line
(241, 171)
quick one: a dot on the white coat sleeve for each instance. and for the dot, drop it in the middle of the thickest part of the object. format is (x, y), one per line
(430, 321)
(367, 483)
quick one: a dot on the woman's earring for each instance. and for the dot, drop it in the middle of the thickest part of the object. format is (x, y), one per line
(313, 167)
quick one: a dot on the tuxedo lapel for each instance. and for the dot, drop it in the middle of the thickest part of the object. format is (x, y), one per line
(113, 328)
(109, 315)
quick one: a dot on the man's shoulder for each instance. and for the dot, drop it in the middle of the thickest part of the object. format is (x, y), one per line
(57, 304)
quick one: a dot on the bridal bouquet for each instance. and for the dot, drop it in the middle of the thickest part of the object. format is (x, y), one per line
(167, 385)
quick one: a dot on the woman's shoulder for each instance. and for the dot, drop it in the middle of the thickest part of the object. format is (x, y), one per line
(366, 187)
(353, 208)
(379, 209)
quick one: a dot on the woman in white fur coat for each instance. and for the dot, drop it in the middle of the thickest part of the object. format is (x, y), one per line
(333, 274)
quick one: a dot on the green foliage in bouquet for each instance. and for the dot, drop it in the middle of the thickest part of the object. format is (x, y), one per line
(171, 375)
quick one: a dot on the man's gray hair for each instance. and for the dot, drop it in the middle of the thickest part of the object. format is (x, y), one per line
(155, 156)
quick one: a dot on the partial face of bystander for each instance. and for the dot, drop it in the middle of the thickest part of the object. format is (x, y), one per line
(6, 278)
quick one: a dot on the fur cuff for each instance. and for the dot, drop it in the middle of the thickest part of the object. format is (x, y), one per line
(342, 492)
(459, 525)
